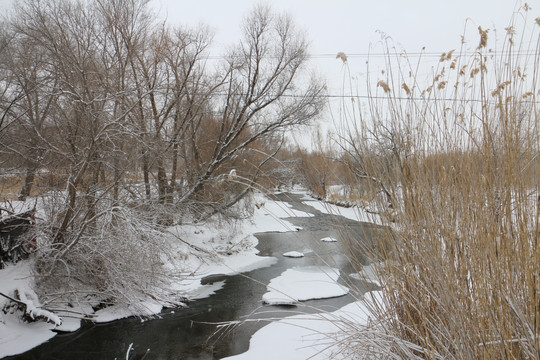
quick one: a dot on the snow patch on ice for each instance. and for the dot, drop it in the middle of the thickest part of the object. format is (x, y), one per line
(304, 283)
(207, 290)
(294, 254)
(315, 336)
(368, 273)
(116, 312)
(329, 239)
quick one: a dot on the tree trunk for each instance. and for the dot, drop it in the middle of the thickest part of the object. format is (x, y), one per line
(162, 181)
(68, 214)
(28, 182)
(91, 193)
(145, 175)
(72, 183)
(172, 184)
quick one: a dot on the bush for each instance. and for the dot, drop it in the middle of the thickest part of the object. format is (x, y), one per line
(118, 257)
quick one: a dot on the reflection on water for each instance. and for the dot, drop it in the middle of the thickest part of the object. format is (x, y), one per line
(186, 333)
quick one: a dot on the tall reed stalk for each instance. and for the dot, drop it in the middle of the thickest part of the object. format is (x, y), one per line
(457, 167)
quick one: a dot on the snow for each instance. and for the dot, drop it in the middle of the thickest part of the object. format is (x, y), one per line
(316, 336)
(232, 245)
(214, 248)
(279, 209)
(294, 254)
(352, 213)
(17, 337)
(301, 191)
(15, 207)
(369, 273)
(115, 312)
(223, 248)
(33, 307)
(304, 283)
(205, 291)
(328, 239)
(227, 251)
(17, 282)
(69, 324)
(15, 277)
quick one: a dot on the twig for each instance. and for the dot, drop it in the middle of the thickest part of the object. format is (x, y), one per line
(13, 299)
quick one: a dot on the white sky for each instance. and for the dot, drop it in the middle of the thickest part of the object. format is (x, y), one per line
(351, 26)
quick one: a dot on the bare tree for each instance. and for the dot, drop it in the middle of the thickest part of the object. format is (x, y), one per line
(263, 92)
(98, 93)
(34, 87)
(82, 125)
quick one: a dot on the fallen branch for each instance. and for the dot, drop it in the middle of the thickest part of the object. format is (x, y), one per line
(12, 299)
(34, 311)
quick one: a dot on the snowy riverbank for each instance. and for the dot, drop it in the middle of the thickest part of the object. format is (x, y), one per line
(327, 335)
(222, 248)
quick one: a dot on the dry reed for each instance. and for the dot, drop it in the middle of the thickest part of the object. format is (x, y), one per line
(460, 164)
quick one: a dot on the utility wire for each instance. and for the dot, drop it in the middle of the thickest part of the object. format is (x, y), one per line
(335, 96)
(383, 54)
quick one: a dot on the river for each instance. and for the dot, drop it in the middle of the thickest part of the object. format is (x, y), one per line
(186, 333)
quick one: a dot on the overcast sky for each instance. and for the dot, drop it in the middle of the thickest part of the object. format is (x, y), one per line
(351, 26)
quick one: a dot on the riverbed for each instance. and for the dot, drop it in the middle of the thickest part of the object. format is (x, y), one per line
(190, 333)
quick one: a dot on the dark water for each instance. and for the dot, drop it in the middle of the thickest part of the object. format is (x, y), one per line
(186, 334)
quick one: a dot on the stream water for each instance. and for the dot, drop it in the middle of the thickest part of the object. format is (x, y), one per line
(187, 333)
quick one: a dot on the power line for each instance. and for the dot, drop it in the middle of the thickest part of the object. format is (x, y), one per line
(383, 54)
(381, 97)
(416, 54)
(333, 96)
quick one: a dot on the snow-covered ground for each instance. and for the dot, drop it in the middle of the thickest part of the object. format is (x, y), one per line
(228, 248)
(220, 248)
(16, 336)
(353, 213)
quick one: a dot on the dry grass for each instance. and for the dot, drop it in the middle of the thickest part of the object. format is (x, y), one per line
(45, 180)
(462, 167)
(10, 187)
